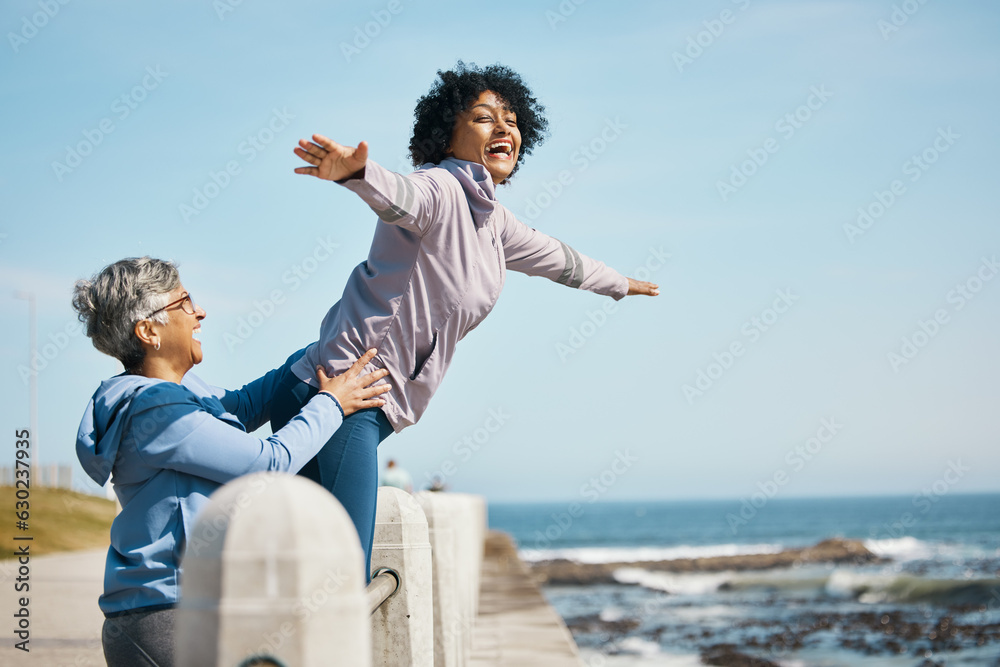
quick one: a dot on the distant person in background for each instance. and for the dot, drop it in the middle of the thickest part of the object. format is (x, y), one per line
(437, 484)
(397, 477)
(168, 440)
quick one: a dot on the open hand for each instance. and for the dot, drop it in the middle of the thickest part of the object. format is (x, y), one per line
(642, 287)
(351, 389)
(330, 160)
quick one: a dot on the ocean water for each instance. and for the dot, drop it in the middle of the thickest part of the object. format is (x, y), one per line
(935, 601)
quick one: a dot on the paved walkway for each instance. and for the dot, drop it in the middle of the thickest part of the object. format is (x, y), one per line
(65, 620)
(515, 625)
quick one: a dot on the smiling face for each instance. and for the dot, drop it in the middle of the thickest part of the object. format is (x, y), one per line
(179, 345)
(486, 132)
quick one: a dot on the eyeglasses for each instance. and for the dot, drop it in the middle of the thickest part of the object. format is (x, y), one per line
(187, 305)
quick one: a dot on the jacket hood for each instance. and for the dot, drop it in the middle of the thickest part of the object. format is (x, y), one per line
(477, 184)
(100, 432)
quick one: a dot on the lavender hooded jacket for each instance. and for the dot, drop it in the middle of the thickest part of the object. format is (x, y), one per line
(434, 272)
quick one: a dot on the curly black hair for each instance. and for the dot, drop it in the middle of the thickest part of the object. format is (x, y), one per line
(454, 91)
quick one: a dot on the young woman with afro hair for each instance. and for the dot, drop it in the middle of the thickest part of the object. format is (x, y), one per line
(437, 263)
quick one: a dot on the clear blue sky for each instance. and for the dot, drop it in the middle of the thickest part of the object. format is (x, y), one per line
(830, 99)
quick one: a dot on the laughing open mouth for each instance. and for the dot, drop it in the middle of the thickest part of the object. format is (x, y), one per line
(502, 149)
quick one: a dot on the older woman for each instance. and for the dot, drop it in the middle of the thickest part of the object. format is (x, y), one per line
(437, 262)
(168, 440)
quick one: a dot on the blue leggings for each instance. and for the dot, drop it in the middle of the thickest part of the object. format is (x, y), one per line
(347, 466)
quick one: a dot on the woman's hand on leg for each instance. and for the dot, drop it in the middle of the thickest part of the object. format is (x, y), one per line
(351, 389)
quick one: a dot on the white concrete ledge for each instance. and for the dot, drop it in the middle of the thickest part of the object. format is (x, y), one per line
(273, 568)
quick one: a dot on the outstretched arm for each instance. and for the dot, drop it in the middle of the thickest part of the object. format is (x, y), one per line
(331, 161)
(410, 202)
(171, 428)
(536, 254)
(642, 287)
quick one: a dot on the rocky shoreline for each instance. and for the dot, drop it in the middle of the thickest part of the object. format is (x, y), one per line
(931, 624)
(889, 633)
(565, 572)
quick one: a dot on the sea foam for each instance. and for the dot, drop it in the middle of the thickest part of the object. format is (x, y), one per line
(646, 554)
(901, 548)
(670, 582)
(873, 588)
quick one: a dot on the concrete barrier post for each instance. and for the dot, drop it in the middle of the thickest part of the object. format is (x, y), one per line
(480, 526)
(441, 510)
(273, 568)
(469, 513)
(403, 626)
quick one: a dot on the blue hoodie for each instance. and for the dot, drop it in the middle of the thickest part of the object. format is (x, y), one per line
(167, 447)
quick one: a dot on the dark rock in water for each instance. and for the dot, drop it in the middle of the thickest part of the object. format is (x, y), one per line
(594, 623)
(835, 550)
(727, 655)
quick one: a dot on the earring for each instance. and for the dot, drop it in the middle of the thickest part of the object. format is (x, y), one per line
(157, 346)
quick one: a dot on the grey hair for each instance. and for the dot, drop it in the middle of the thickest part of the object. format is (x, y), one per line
(120, 295)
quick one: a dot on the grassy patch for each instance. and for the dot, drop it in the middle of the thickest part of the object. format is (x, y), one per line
(61, 520)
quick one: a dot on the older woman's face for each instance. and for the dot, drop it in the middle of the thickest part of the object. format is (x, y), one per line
(486, 132)
(178, 337)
